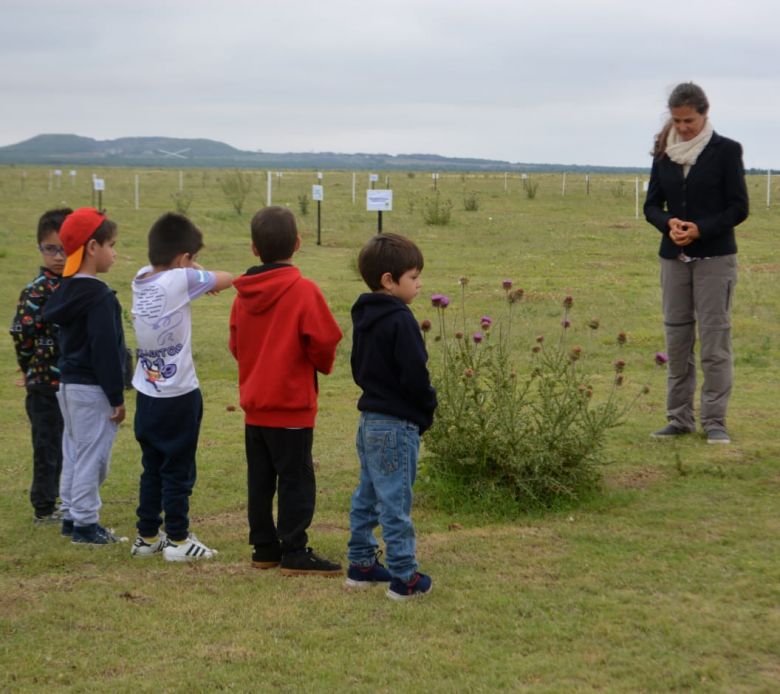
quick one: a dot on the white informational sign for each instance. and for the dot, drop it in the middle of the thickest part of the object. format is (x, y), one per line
(58, 172)
(379, 200)
(435, 176)
(73, 173)
(98, 184)
(317, 194)
(319, 175)
(373, 178)
(645, 185)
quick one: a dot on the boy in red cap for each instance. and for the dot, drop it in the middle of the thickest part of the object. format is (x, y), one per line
(92, 364)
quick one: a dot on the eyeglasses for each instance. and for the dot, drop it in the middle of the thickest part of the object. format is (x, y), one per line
(51, 249)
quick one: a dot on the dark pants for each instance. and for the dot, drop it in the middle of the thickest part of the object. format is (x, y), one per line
(280, 456)
(167, 430)
(46, 421)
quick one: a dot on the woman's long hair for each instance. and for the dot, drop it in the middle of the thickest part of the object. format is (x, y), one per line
(684, 94)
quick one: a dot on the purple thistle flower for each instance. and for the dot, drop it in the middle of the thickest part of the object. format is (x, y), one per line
(507, 285)
(620, 365)
(425, 325)
(622, 338)
(444, 301)
(568, 302)
(436, 300)
(565, 323)
(486, 322)
(477, 337)
(661, 358)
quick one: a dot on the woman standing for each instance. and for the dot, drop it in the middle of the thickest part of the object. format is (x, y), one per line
(696, 197)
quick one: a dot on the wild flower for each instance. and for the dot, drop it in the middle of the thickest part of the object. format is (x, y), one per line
(575, 352)
(486, 322)
(661, 358)
(477, 337)
(514, 296)
(458, 334)
(507, 285)
(568, 302)
(425, 325)
(620, 365)
(463, 281)
(566, 323)
(622, 338)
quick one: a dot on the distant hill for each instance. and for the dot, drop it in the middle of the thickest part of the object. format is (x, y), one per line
(65, 150)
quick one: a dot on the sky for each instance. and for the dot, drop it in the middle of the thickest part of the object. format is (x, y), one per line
(533, 81)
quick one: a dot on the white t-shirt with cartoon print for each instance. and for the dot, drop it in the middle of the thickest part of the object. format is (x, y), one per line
(163, 329)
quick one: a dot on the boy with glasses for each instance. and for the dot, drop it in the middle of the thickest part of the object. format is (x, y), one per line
(37, 352)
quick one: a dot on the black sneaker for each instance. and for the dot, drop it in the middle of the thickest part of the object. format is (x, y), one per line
(52, 518)
(266, 556)
(718, 436)
(366, 576)
(307, 563)
(669, 432)
(67, 527)
(406, 590)
(94, 534)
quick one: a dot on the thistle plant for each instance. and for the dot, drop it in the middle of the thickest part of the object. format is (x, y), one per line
(518, 422)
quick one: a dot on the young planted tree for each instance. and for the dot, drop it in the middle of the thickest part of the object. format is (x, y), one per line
(236, 186)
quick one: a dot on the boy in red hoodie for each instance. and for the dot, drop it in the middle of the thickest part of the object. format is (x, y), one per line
(281, 333)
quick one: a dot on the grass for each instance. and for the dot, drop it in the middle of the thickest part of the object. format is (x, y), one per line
(668, 579)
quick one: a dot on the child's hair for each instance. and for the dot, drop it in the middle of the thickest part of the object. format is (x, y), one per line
(391, 253)
(171, 235)
(51, 220)
(274, 233)
(105, 232)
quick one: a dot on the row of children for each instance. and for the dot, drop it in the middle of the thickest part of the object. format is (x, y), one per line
(71, 351)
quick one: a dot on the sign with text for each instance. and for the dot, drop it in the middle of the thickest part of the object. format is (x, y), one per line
(373, 178)
(98, 184)
(317, 193)
(379, 200)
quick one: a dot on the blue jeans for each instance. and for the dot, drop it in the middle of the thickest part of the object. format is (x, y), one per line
(387, 448)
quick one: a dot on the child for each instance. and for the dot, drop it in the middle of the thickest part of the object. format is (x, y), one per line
(92, 362)
(281, 333)
(389, 364)
(37, 352)
(169, 405)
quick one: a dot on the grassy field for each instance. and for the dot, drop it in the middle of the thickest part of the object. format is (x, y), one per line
(669, 579)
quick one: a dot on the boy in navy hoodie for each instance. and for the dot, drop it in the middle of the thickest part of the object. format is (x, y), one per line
(389, 363)
(92, 365)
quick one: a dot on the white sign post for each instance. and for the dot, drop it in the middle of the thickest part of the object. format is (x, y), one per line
(137, 191)
(379, 201)
(73, 177)
(769, 188)
(318, 194)
(98, 186)
(354, 179)
(268, 189)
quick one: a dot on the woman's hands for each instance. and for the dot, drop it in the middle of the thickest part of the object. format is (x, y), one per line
(683, 233)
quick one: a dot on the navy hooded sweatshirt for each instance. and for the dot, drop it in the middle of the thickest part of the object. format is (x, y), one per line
(92, 341)
(389, 360)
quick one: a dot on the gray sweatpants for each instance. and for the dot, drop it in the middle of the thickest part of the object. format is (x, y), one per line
(87, 439)
(698, 292)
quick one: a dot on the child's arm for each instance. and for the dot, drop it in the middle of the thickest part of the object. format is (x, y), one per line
(321, 333)
(23, 331)
(222, 280)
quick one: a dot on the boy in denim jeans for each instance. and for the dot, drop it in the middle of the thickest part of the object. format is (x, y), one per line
(389, 363)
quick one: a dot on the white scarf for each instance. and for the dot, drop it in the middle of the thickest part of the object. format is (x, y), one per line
(687, 152)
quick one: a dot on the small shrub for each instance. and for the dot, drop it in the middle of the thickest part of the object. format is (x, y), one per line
(437, 211)
(236, 186)
(530, 187)
(303, 204)
(516, 429)
(471, 202)
(619, 189)
(182, 200)
(410, 174)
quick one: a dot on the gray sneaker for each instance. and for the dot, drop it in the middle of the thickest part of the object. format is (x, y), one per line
(718, 436)
(669, 432)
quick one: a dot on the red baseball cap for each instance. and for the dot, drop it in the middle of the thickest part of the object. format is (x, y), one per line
(75, 231)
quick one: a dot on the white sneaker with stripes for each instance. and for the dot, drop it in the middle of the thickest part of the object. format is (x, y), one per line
(143, 549)
(191, 549)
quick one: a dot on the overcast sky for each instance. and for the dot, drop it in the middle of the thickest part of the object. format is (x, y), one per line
(538, 81)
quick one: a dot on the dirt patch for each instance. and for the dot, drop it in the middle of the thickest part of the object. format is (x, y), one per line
(640, 478)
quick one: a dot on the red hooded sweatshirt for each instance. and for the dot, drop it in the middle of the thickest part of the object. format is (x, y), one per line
(281, 333)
